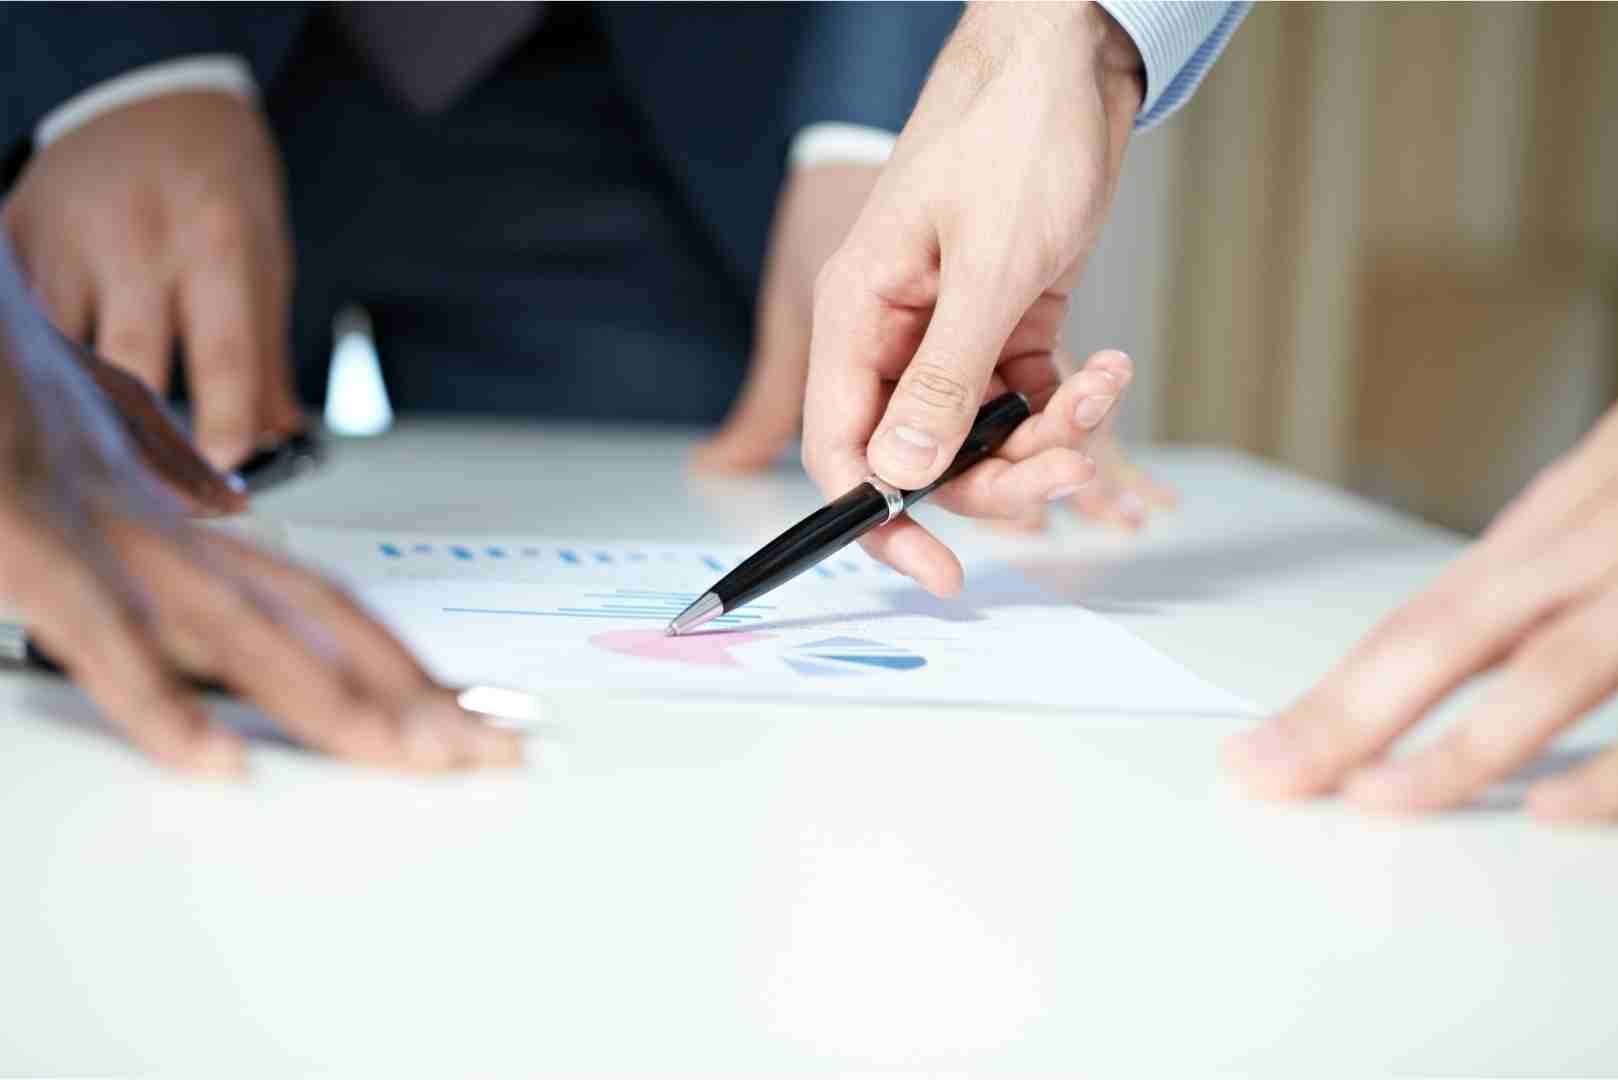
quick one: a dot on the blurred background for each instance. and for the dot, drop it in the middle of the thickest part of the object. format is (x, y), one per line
(1380, 246)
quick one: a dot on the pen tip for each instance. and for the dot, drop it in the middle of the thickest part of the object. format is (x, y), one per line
(707, 606)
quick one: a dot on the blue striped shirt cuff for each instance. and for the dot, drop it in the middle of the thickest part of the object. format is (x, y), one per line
(1178, 40)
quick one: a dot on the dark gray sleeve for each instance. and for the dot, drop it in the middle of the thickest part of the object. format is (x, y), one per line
(50, 52)
(865, 63)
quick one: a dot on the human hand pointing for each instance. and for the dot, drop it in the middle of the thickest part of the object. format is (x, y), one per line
(954, 282)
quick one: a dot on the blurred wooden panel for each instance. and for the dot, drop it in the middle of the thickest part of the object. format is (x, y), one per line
(1236, 223)
(1474, 377)
(1360, 175)
(1573, 157)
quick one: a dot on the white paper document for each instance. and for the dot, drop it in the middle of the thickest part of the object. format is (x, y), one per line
(539, 614)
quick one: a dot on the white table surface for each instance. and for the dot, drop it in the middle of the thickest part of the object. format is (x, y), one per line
(768, 888)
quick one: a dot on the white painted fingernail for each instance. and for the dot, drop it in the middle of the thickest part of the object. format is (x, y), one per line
(234, 481)
(1066, 491)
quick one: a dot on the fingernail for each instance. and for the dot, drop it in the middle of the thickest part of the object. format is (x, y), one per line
(914, 448)
(1265, 748)
(1066, 491)
(1092, 410)
(1131, 506)
(234, 481)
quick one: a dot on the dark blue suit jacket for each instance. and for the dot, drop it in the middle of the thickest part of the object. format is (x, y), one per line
(719, 90)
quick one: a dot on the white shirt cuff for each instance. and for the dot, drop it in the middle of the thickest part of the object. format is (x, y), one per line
(840, 144)
(214, 71)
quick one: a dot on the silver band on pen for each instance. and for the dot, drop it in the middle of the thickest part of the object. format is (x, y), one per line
(895, 497)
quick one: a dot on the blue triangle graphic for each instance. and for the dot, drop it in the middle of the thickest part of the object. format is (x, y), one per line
(907, 662)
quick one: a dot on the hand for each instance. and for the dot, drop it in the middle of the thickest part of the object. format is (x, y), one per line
(163, 221)
(130, 597)
(1535, 601)
(818, 205)
(954, 282)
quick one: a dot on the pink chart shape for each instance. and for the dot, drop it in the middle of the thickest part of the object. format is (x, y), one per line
(709, 650)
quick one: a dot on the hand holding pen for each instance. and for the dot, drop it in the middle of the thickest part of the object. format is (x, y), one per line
(1043, 460)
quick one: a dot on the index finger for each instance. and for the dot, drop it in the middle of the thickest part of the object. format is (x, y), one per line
(227, 352)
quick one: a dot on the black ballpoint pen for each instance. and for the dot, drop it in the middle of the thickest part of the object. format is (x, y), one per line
(844, 520)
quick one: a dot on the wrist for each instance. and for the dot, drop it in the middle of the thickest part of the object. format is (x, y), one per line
(1096, 39)
(1116, 55)
(220, 73)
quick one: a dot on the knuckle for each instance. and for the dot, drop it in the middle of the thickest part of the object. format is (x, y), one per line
(130, 341)
(937, 387)
(1553, 664)
(225, 352)
(1436, 618)
(1344, 703)
(144, 229)
(1464, 755)
(220, 613)
(223, 228)
(829, 284)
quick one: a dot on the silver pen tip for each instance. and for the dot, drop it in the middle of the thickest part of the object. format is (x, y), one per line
(705, 607)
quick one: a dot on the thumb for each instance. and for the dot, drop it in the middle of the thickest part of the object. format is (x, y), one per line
(931, 409)
(767, 413)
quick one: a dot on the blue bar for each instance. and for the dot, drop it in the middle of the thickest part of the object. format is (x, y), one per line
(530, 552)
(423, 549)
(651, 596)
(713, 562)
(390, 550)
(460, 552)
(496, 552)
(569, 557)
(603, 557)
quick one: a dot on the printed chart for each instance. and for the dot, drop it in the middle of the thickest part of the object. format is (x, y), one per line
(532, 613)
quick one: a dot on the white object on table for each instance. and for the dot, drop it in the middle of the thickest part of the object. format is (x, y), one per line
(761, 888)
